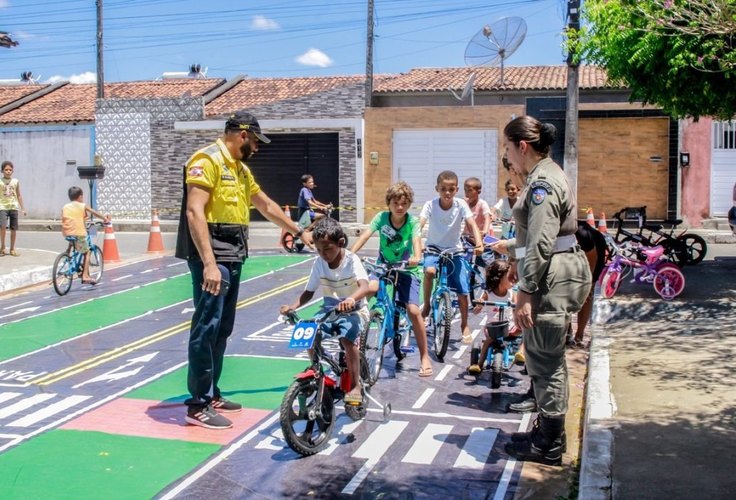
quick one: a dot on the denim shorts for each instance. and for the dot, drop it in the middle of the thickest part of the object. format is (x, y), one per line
(347, 325)
(457, 274)
(9, 216)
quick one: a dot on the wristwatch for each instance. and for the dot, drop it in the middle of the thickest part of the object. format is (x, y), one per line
(299, 233)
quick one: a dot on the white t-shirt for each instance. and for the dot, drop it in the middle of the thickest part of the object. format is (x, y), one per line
(339, 283)
(445, 225)
(503, 208)
(508, 312)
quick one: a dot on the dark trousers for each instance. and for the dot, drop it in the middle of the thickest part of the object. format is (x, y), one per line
(212, 324)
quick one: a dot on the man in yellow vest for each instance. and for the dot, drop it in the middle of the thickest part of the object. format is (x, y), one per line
(213, 231)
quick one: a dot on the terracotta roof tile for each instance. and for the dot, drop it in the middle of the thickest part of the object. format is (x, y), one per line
(515, 78)
(76, 102)
(11, 93)
(252, 92)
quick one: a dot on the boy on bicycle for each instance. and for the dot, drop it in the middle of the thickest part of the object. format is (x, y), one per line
(446, 215)
(307, 202)
(73, 225)
(344, 284)
(400, 242)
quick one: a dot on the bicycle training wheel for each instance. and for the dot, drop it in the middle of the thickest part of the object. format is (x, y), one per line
(691, 249)
(610, 282)
(96, 264)
(371, 345)
(669, 282)
(442, 324)
(307, 423)
(62, 274)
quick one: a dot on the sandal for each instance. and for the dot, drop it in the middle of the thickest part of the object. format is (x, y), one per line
(426, 371)
(2, 251)
(89, 282)
(14, 253)
(353, 398)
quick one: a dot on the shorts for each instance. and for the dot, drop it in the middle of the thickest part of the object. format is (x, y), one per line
(81, 244)
(458, 278)
(9, 214)
(349, 325)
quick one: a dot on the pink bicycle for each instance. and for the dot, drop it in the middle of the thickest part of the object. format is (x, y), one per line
(648, 264)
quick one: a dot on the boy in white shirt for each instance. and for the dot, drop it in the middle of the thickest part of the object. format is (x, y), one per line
(344, 284)
(446, 215)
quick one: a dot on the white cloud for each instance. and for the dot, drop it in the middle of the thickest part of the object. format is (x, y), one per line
(315, 57)
(4, 3)
(86, 77)
(260, 23)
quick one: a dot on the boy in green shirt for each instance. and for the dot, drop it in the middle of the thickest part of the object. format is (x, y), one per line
(400, 242)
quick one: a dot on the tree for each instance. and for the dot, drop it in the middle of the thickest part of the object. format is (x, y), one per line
(675, 54)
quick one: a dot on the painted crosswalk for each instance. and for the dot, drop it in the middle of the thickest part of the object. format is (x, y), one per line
(25, 411)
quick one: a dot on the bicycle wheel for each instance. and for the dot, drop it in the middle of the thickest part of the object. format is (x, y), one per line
(371, 346)
(669, 282)
(496, 370)
(691, 249)
(442, 324)
(96, 263)
(307, 424)
(62, 274)
(610, 282)
(401, 335)
(287, 241)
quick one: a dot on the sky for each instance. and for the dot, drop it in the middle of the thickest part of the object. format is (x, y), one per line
(142, 39)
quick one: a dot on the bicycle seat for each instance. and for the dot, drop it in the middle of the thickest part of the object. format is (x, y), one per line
(653, 227)
(71, 238)
(674, 222)
(653, 252)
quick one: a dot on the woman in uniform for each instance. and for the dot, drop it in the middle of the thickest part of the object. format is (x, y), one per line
(554, 281)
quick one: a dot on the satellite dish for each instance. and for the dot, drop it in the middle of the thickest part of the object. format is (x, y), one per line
(495, 43)
(467, 90)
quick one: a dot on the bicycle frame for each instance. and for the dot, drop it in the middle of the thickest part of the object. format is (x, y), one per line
(441, 301)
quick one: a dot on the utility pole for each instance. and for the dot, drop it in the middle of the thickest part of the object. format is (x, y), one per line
(100, 67)
(369, 58)
(571, 113)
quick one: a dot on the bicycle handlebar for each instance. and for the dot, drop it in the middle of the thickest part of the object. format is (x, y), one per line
(494, 303)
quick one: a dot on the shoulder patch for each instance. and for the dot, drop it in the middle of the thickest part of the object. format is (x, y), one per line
(539, 191)
(546, 186)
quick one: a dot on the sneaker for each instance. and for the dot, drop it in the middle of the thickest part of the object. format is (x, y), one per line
(526, 405)
(474, 370)
(225, 406)
(207, 417)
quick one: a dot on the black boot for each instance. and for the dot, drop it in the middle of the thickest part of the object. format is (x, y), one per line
(518, 437)
(545, 444)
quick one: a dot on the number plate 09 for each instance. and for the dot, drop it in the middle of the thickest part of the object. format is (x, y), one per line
(302, 337)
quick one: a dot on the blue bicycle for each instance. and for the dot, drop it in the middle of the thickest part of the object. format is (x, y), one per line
(388, 320)
(68, 264)
(442, 310)
(503, 348)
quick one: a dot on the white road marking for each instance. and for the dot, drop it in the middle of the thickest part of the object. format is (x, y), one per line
(447, 415)
(49, 411)
(25, 404)
(17, 305)
(428, 444)
(345, 426)
(508, 470)
(150, 270)
(422, 399)
(273, 442)
(125, 276)
(443, 373)
(373, 449)
(477, 448)
(5, 396)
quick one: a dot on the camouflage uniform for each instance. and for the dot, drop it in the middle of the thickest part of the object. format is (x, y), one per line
(554, 270)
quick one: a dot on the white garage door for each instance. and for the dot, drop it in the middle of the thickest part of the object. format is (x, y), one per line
(419, 155)
(723, 168)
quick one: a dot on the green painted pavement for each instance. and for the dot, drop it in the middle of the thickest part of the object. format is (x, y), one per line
(252, 381)
(87, 464)
(37, 332)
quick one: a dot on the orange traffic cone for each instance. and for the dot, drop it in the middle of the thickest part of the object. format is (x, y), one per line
(155, 242)
(602, 223)
(110, 246)
(590, 217)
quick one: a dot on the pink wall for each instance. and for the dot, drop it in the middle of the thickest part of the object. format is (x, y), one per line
(695, 189)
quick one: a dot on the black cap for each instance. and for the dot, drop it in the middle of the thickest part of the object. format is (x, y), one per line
(242, 120)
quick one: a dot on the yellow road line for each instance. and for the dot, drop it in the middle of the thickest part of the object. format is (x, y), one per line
(151, 339)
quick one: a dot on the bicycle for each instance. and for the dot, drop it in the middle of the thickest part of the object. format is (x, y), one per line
(70, 262)
(683, 248)
(307, 411)
(477, 265)
(388, 321)
(648, 265)
(307, 221)
(504, 346)
(441, 301)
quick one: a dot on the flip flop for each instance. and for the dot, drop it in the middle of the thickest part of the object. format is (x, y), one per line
(89, 282)
(426, 372)
(352, 399)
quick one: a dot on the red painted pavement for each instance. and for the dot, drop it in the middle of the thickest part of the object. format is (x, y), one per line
(147, 418)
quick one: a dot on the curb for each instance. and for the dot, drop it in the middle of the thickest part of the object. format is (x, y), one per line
(28, 277)
(596, 481)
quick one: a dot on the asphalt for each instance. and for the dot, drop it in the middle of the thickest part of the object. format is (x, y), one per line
(659, 416)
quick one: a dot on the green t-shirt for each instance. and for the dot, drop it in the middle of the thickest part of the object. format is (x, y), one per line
(396, 243)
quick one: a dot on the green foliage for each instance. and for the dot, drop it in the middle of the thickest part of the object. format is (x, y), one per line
(675, 54)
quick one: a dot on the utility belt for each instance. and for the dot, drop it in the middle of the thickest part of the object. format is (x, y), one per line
(563, 244)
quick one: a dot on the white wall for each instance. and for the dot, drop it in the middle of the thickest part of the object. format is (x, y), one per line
(40, 156)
